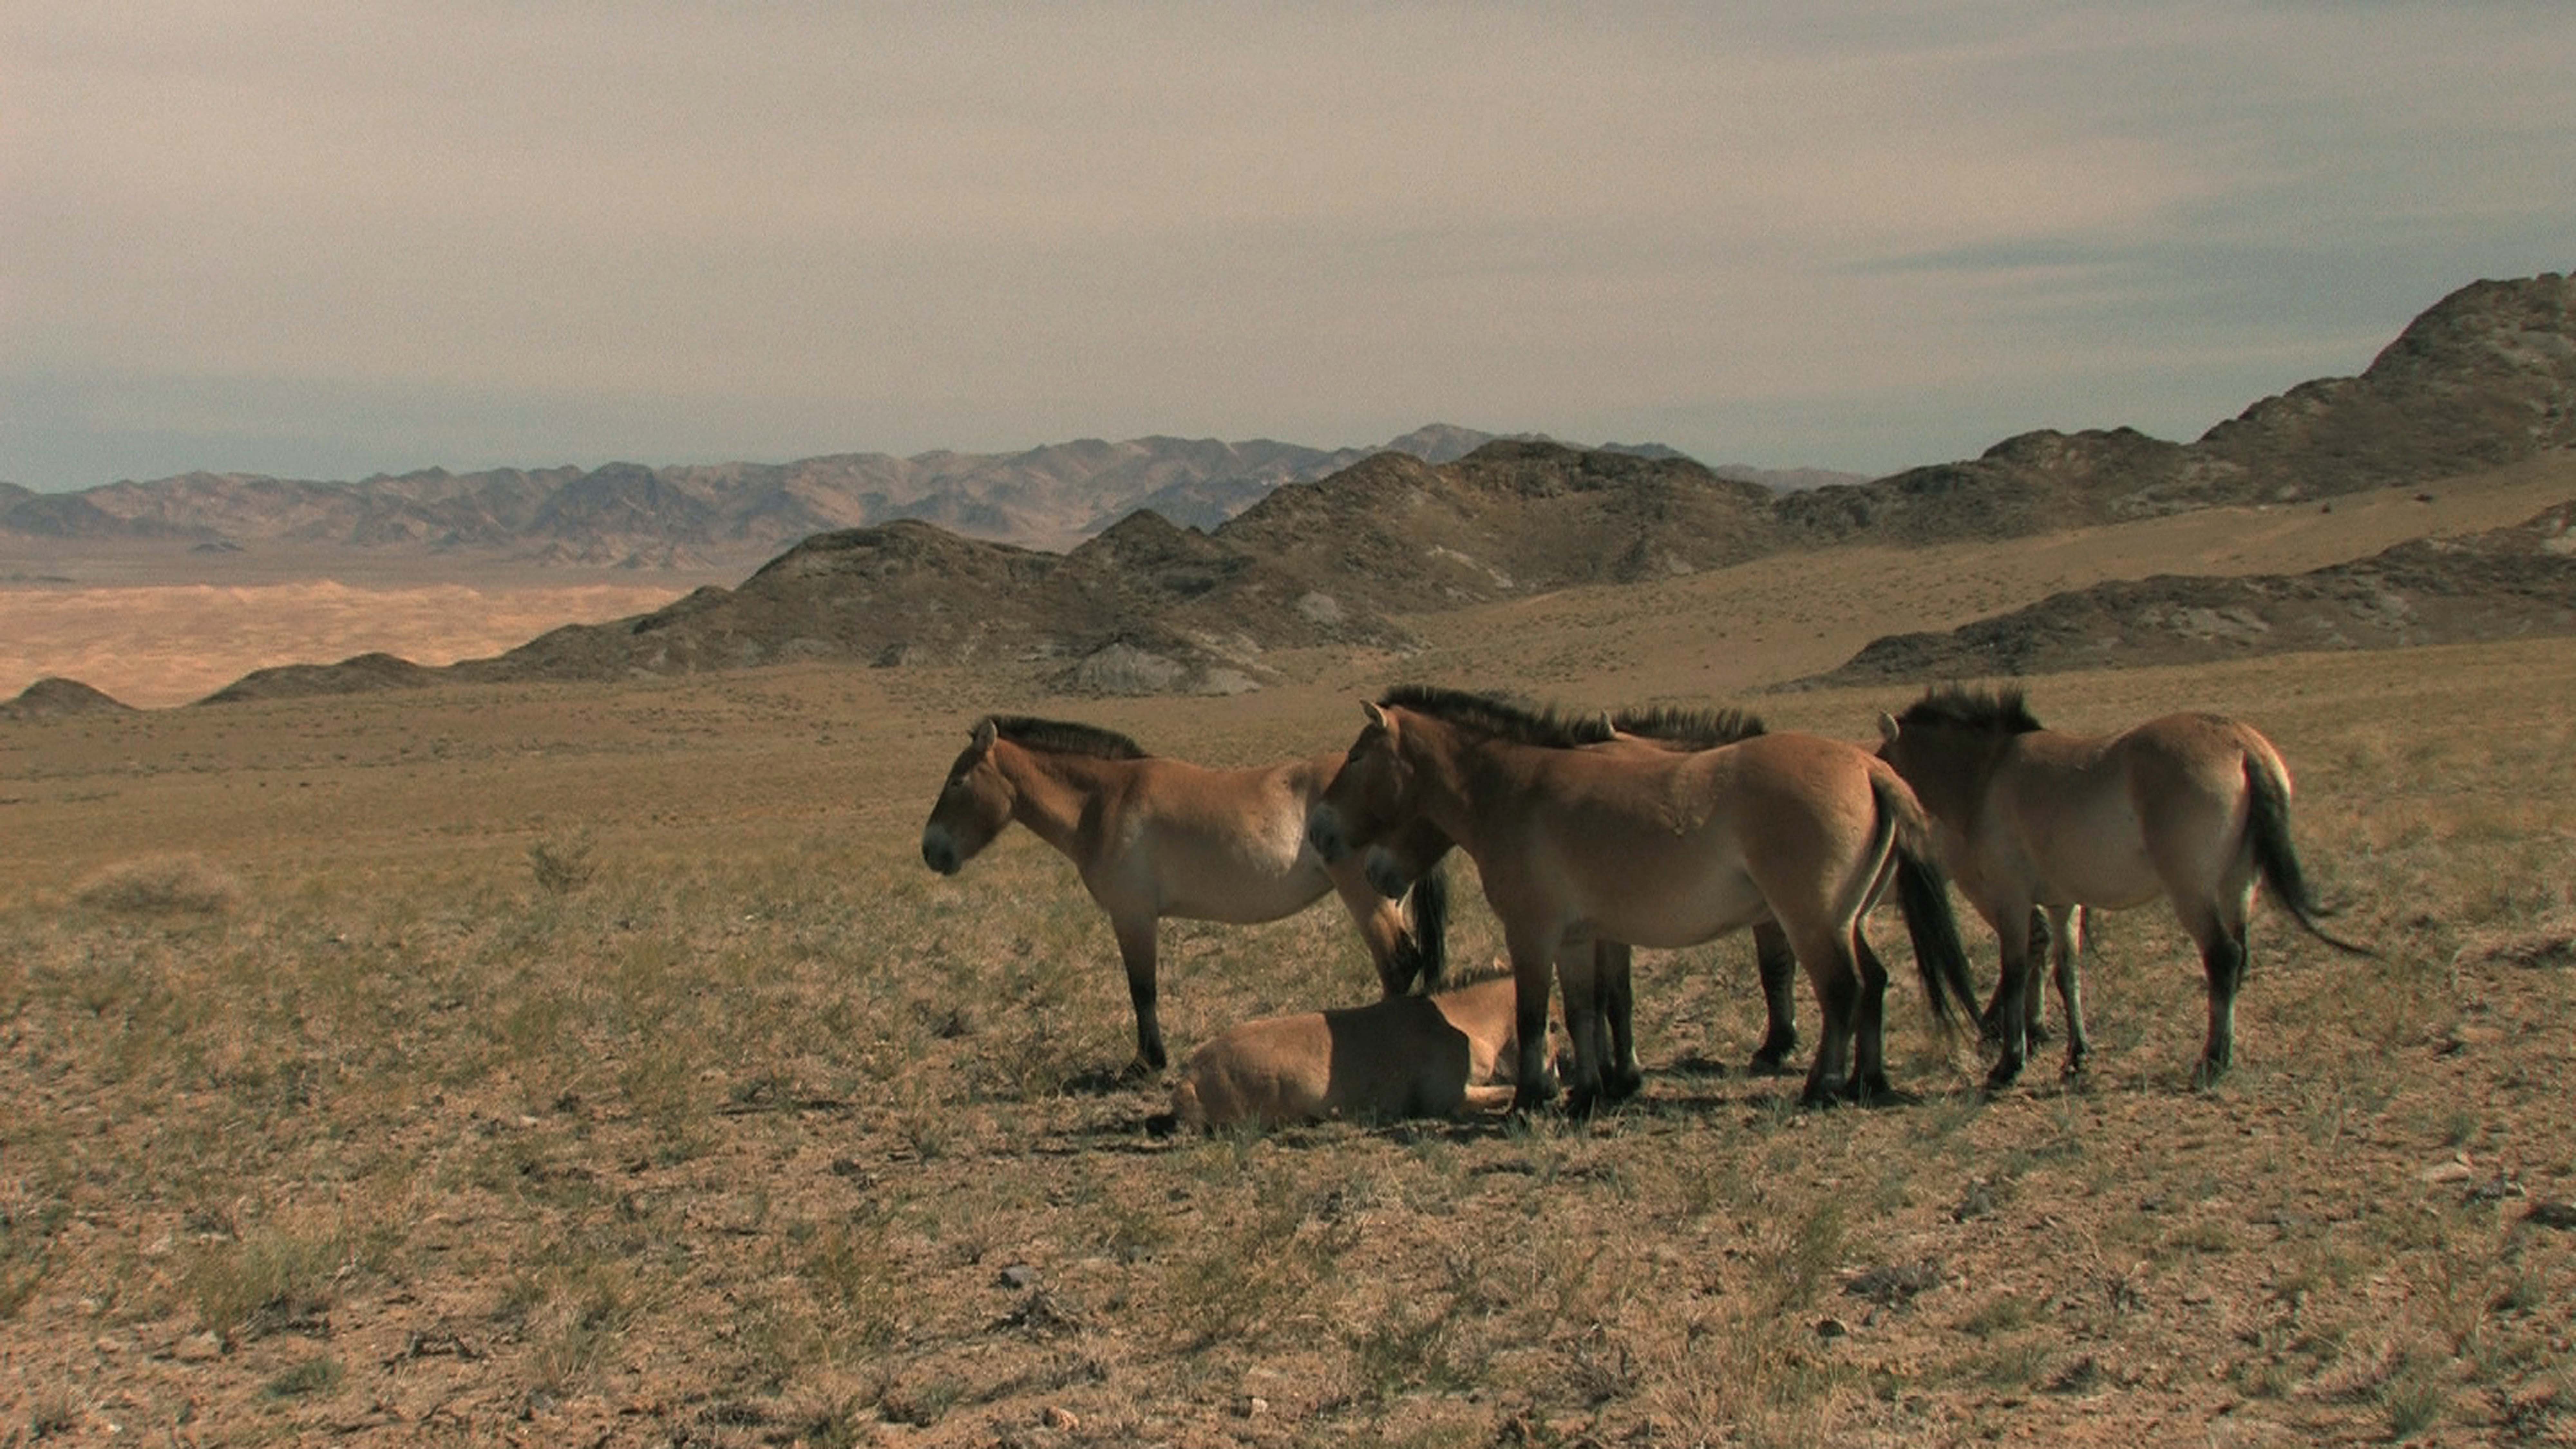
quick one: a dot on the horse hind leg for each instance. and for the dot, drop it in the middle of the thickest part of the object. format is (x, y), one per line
(1834, 976)
(2223, 956)
(2066, 929)
(1869, 1026)
(1777, 966)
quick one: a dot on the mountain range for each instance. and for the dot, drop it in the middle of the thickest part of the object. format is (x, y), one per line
(2484, 378)
(632, 516)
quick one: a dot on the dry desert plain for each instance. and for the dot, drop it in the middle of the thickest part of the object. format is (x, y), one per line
(599, 1065)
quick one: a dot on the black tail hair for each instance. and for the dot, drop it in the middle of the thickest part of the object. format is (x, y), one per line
(1923, 895)
(2267, 826)
(1423, 954)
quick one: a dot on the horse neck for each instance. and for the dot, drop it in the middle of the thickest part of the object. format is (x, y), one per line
(1453, 774)
(1955, 789)
(1050, 791)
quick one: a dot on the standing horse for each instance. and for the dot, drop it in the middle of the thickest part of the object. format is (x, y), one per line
(1674, 730)
(2193, 807)
(1155, 837)
(1652, 848)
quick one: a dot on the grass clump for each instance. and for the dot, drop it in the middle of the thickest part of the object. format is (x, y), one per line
(161, 887)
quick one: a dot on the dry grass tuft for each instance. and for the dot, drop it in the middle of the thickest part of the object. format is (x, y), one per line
(161, 886)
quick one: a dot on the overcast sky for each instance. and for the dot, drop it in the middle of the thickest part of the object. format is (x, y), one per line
(327, 240)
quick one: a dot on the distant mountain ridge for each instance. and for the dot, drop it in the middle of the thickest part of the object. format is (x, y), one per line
(2484, 378)
(695, 516)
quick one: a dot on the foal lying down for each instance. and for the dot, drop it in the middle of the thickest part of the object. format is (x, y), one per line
(1404, 1056)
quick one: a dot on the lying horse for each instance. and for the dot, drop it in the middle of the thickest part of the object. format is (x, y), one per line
(1682, 730)
(1405, 1056)
(1155, 837)
(1652, 848)
(2193, 807)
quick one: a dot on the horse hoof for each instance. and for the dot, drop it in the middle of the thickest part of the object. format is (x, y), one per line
(1139, 1070)
(2006, 1072)
(1620, 1086)
(1769, 1064)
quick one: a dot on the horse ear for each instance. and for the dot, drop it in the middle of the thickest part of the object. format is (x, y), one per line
(984, 734)
(1376, 716)
(1886, 727)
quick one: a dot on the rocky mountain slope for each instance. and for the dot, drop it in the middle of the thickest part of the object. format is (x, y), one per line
(2502, 584)
(2485, 377)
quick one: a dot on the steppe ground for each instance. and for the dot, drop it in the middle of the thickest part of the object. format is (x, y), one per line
(598, 1064)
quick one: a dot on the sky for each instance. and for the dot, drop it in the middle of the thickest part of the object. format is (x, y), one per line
(327, 241)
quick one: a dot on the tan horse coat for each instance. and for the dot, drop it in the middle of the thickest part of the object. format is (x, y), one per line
(1405, 1056)
(1655, 849)
(2190, 807)
(1155, 837)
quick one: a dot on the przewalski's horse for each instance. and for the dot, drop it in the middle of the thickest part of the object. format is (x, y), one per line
(1155, 837)
(1660, 727)
(2193, 807)
(1652, 848)
(1406, 1056)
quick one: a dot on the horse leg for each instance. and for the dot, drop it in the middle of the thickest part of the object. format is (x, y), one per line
(2008, 1018)
(1136, 949)
(2224, 959)
(1533, 973)
(2066, 929)
(1869, 1057)
(1578, 973)
(1835, 978)
(2035, 991)
(1777, 967)
(1622, 1076)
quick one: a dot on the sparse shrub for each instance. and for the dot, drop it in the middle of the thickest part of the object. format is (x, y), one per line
(313, 1376)
(163, 886)
(562, 864)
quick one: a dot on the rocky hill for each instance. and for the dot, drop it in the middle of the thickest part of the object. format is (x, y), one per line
(52, 698)
(2502, 584)
(2486, 377)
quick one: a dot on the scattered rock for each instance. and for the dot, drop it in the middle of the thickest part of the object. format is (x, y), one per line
(1019, 1276)
(1059, 1417)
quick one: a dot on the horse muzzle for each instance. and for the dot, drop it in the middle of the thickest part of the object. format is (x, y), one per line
(1324, 834)
(940, 853)
(1385, 876)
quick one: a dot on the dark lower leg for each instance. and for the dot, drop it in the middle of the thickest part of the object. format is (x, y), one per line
(1777, 967)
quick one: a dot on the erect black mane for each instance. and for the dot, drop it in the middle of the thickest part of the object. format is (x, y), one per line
(1494, 715)
(1704, 729)
(1957, 706)
(1064, 737)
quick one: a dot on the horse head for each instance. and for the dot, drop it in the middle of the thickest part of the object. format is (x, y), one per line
(973, 806)
(1366, 801)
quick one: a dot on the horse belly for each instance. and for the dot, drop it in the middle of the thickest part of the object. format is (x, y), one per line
(1668, 911)
(2096, 855)
(1239, 880)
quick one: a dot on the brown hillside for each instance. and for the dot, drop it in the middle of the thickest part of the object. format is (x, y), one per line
(2502, 584)
(1510, 519)
(53, 698)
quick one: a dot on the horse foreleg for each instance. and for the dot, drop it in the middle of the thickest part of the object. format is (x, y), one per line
(1579, 983)
(1533, 975)
(1621, 1074)
(1136, 949)
(2066, 931)
(1777, 967)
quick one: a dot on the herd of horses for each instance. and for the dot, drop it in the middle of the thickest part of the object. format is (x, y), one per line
(1596, 833)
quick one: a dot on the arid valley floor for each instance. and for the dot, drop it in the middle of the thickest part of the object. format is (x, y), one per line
(598, 1064)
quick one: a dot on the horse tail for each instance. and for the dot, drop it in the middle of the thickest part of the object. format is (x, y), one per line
(1923, 895)
(2267, 831)
(1424, 951)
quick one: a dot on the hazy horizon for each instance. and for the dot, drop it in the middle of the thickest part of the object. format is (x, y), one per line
(388, 237)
